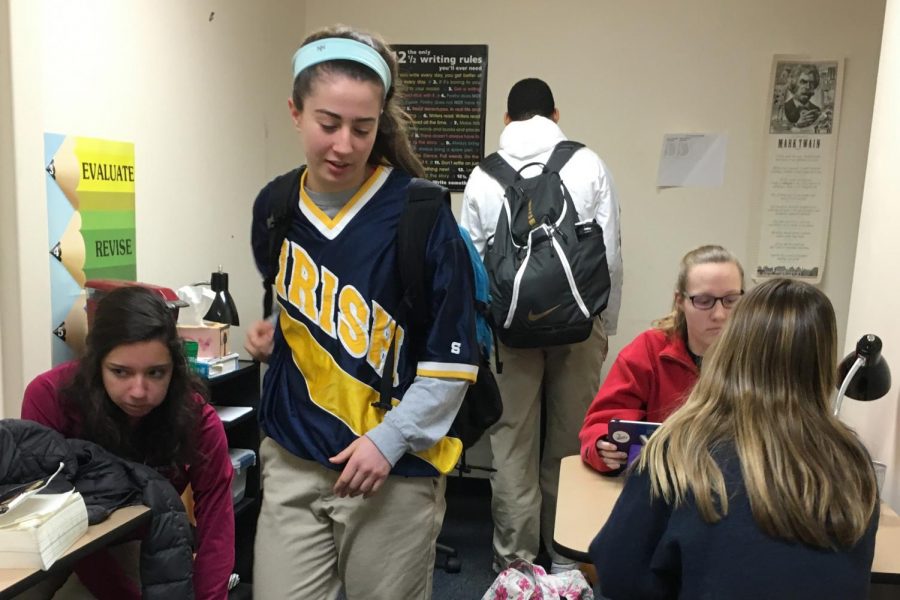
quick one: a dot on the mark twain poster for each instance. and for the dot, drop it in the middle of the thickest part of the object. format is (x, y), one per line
(804, 110)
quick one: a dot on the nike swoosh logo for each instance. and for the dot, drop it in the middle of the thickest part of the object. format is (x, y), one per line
(537, 317)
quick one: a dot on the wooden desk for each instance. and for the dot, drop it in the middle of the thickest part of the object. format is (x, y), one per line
(583, 504)
(119, 524)
(586, 499)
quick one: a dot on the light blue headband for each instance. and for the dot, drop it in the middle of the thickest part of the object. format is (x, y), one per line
(327, 49)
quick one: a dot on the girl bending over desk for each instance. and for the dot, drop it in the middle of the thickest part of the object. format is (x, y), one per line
(133, 394)
(752, 489)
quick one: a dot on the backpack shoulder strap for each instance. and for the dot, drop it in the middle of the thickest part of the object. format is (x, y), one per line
(283, 191)
(423, 203)
(561, 155)
(499, 169)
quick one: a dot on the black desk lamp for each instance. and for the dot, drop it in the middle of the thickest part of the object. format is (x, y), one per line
(222, 309)
(864, 374)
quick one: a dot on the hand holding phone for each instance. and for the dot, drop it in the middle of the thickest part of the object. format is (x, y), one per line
(630, 436)
(610, 454)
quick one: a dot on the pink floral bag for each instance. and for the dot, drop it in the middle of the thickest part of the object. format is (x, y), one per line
(525, 581)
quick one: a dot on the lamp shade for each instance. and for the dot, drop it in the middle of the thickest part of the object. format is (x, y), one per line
(872, 379)
(222, 309)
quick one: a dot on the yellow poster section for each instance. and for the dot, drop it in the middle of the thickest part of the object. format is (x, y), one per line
(106, 166)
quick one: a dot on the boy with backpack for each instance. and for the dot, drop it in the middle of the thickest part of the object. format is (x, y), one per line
(543, 213)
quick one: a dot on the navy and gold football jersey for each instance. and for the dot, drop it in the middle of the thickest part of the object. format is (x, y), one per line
(339, 289)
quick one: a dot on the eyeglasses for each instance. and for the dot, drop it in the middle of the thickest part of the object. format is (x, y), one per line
(707, 301)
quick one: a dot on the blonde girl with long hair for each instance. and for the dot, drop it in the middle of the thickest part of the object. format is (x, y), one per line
(752, 489)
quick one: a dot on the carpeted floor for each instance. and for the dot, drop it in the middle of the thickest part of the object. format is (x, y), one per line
(467, 529)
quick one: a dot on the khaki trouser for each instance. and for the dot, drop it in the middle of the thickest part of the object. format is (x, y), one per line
(310, 543)
(524, 486)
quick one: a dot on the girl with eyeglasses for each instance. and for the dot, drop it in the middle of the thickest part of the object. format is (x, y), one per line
(655, 372)
(752, 489)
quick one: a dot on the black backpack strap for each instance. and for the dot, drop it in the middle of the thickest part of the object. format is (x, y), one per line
(499, 169)
(283, 193)
(561, 155)
(423, 203)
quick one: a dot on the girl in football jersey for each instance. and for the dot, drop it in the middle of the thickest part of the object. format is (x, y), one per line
(354, 494)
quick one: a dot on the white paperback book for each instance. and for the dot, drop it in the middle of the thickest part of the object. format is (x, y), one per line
(38, 530)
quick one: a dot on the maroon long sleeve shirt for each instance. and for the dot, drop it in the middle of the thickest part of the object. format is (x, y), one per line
(210, 479)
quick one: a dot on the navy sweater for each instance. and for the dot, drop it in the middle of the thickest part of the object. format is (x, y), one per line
(648, 550)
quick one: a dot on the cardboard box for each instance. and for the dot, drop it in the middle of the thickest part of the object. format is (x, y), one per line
(211, 338)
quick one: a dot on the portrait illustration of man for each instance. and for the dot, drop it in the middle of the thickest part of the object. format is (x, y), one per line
(800, 102)
(799, 108)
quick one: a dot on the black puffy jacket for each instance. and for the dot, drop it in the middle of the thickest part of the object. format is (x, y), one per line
(29, 451)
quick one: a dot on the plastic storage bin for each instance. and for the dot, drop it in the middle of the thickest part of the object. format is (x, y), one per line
(241, 459)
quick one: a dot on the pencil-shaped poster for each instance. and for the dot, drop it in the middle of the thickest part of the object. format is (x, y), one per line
(90, 208)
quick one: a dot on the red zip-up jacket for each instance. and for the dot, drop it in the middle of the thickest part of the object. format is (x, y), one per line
(650, 379)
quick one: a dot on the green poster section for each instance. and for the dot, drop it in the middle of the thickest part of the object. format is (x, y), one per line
(107, 228)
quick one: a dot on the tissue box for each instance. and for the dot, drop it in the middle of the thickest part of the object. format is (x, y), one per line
(241, 459)
(211, 338)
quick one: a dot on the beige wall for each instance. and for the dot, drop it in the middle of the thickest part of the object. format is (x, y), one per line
(8, 265)
(876, 288)
(204, 102)
(199, 88)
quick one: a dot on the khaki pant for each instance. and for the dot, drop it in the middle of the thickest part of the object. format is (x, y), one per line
(524, 485)
(310, 543)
